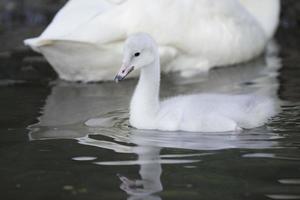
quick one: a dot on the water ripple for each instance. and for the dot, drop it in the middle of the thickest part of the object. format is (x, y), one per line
(283, 196)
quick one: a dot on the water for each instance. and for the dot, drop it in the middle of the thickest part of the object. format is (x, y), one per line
(73, 141)
(64, 140)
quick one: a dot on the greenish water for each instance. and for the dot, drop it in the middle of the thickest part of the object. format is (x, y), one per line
(64, 140)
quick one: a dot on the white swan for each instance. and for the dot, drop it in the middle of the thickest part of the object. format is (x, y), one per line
(196, 113)
(83, 42)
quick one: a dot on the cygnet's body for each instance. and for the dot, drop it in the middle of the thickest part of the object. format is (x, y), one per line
(197, 113)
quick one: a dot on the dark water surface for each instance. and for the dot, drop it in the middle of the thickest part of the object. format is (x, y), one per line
(64, 140)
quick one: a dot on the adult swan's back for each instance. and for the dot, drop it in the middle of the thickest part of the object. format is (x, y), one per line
(84, 40)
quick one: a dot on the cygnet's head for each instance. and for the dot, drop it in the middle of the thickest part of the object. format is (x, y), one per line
(139, 51)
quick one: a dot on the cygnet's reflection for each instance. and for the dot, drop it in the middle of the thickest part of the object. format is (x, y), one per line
(87, 112)
(150, 172)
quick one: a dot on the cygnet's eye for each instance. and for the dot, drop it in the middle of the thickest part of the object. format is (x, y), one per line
(137, 54)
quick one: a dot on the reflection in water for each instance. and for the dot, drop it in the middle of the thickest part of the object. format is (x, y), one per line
(283, 196)
(94, 115)
(150, 172)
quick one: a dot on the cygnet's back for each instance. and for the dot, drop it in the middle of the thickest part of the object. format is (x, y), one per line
(215, 112)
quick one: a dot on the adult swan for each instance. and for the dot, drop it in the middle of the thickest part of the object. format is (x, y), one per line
(84, 41)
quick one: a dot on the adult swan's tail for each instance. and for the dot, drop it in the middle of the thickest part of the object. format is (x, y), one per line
(266, 13)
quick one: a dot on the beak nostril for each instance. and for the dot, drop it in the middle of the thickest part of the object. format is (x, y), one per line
(124, 71)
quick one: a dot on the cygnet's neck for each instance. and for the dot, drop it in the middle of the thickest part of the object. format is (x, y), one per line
(145, 101)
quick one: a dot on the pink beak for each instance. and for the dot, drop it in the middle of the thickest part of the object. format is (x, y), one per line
(123, 72)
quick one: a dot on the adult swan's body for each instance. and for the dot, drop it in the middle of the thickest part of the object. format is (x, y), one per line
(84, 40)
(201, 112)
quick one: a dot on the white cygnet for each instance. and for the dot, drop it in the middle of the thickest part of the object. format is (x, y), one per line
(195, 113)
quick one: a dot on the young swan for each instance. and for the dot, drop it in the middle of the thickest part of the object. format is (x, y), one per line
(196, 113)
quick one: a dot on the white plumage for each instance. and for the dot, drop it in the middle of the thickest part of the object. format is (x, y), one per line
(197, 113)
(214, 112)
(84, 40)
